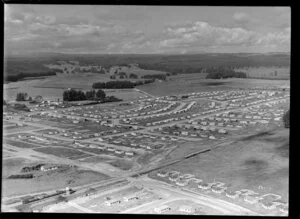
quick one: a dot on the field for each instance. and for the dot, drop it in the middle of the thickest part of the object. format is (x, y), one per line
(170, 63)
(266, 72)
(20, 144)
(259, 163)
(188, 83)
(53, 87)
(62, 152)
(68, 176)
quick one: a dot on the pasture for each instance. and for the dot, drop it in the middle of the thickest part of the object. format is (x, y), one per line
(188, 83)
(266, 72)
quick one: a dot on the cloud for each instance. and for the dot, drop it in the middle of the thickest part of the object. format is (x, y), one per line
(240, 16)
(202, 34)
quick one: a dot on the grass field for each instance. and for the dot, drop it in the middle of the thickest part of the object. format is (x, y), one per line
(61, 152)
(266, 72)
(189, 83)
(12, 166)
(71, 176)
(122, 164)
(20, 144)
(262, 161)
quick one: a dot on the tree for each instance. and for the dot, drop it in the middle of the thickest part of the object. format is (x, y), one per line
(100, 94)
(133, 76)
(21, 96)
(90, 94)
(61, 199)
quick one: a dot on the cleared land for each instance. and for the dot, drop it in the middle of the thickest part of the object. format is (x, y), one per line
(266, 72)
(259, 163)
(189, 83)
(68, 176)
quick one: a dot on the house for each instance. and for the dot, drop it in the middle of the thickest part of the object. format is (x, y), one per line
(112, 202)
(251, 199)
(268, 205)
(119, 152)
(203, 185)
(38, 99)
(162, 209)
(186, 209)
(218, 189)
(222, 131)
(130, 198)
(129, 153)
(232, 194)
(182, 182)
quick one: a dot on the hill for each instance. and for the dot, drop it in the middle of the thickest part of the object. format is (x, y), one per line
(188, 63)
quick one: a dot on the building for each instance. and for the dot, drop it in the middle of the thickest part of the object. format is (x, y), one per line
(38, 99)
(162, 209)
(162, 173)
(232, 194)
(130, 198)
(112, 202)
(186, 209)
(218, 189)
(268, 205)
(251, 199)
(129, 153)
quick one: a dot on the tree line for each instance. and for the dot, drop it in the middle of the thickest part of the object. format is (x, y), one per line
(155, 76)
(223, 72)
(21, 76)
(78, 95)
(120, 84)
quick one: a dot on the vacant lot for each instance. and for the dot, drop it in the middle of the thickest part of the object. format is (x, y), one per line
(12, 166)
(61, 152)
(20, 144)
(71, 176)
(260, 164)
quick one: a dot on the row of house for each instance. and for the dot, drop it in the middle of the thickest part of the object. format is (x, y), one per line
(217, 187)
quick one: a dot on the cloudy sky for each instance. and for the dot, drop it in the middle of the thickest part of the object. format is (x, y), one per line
(145, 29)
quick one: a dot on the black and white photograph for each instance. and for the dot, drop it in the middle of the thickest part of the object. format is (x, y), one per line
(146, 109)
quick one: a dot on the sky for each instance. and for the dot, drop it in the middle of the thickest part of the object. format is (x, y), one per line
(104, 29)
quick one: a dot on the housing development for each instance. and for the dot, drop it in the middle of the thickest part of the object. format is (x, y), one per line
(131, 110)
(135, 138)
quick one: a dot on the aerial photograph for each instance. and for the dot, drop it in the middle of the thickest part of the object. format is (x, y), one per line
(136, 109)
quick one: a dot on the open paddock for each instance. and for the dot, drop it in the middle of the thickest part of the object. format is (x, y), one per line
(188, 83)
(60, 152)
(245, 164)
(20, 144)
(60, 179)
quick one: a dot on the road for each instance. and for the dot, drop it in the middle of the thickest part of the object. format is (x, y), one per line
(178, 194)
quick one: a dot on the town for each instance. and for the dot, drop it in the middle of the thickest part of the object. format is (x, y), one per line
(134, 138)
